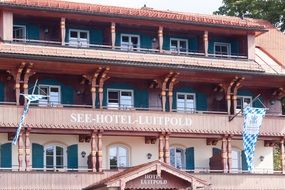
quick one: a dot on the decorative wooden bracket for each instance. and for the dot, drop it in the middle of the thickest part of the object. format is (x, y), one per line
(271, 143)
(150, 140)
(97, 81)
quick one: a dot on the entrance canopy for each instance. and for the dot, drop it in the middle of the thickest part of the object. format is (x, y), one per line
(152, 175)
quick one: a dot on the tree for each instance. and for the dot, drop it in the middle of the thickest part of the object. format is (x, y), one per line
(271, 10)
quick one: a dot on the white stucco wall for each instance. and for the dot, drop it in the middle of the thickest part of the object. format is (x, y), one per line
(6, 25)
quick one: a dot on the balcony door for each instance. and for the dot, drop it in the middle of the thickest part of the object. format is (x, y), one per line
(122, 99)
(186, 102)
(78, 38)
(19, 32)
(242, 102)
(178, 45)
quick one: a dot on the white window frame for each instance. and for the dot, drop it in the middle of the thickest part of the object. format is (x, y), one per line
(25, 32)
(48, 98)
(54, 157)
(130, 46)
(243, 97)
(120, 92)
(178, 44)
(78, 37)
(117, 148)
(185, 95)
(183, 155)
(228, 45)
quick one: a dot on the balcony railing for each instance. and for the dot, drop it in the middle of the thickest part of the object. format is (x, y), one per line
(84, 117)
(119, 48)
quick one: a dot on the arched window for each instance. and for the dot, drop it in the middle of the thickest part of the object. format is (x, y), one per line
(55, 156)
(236, 160)
(118, 156)
(177, 157)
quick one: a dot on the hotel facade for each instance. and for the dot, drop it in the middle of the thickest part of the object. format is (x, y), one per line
(136, 98)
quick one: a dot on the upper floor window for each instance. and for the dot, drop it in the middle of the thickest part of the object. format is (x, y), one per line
(130, 42)
(78, 38)
(177, 157)
(222, 48)
(242, 102)
(52, 93)
(19, 32)
(120, 98)
(118, 156)
(55, 156)
(186, 102)
(178, 45)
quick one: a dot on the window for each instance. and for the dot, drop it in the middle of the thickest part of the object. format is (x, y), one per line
(120, 98)
(19, 32)
(236, 160)
(130, 42)
(177, 157)
(186, 102)
(178, 45)
(118, 156)
(55, 157)
(222, 48)
(53, 95)
(242, 102)
(78, 38)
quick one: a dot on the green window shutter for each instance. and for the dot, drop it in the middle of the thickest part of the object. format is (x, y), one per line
(243, 160)
(37, 156)
(190, 162)
(6, 155)
(1, 92)
(72, 156)
(216, 151)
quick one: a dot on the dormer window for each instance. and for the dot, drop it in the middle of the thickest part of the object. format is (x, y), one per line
(130, 42)
(19, 32)
(178, 45)
(222, 49)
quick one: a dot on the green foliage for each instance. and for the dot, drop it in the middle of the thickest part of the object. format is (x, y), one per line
(271, 10)
(277, 158)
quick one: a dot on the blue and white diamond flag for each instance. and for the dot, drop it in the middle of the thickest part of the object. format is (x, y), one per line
(30, 98)
(252, 123)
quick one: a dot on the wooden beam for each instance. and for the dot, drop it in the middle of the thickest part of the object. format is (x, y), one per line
(170, 90)
(160, 148)
(229, 151)
(20, 151)
(224, 154)
(63, 30)
(113, 35)
(103, 77)
(206, 42)
(94, 149)
(100, 152)
(160, 38)
(282, 155)
(28, 149)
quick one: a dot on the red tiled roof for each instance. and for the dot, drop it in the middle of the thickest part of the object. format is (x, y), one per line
(143, 13)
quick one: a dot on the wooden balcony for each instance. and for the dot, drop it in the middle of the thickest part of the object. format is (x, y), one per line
(136, 56)
(134, 120)
(41, 180)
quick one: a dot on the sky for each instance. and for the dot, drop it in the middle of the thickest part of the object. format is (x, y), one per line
(194, 6)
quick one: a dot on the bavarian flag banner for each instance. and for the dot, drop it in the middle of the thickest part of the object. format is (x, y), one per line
(252, 123)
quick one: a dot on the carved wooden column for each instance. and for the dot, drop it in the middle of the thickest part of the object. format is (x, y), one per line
(224, 154)
(17, 78)
(163, 91)
(27, 75)
(94, 149)
(170, 91)
(20, 151)
(113, 34)
(206, 42)
(160, 38)
(229, 150)
(63, 30)
(102, 79)
(166, 150)
(28, 150)
(161, 144)
(100, 152)
(282, 155)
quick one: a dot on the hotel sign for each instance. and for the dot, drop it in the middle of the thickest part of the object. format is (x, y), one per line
(130, 119)
(151, 179)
